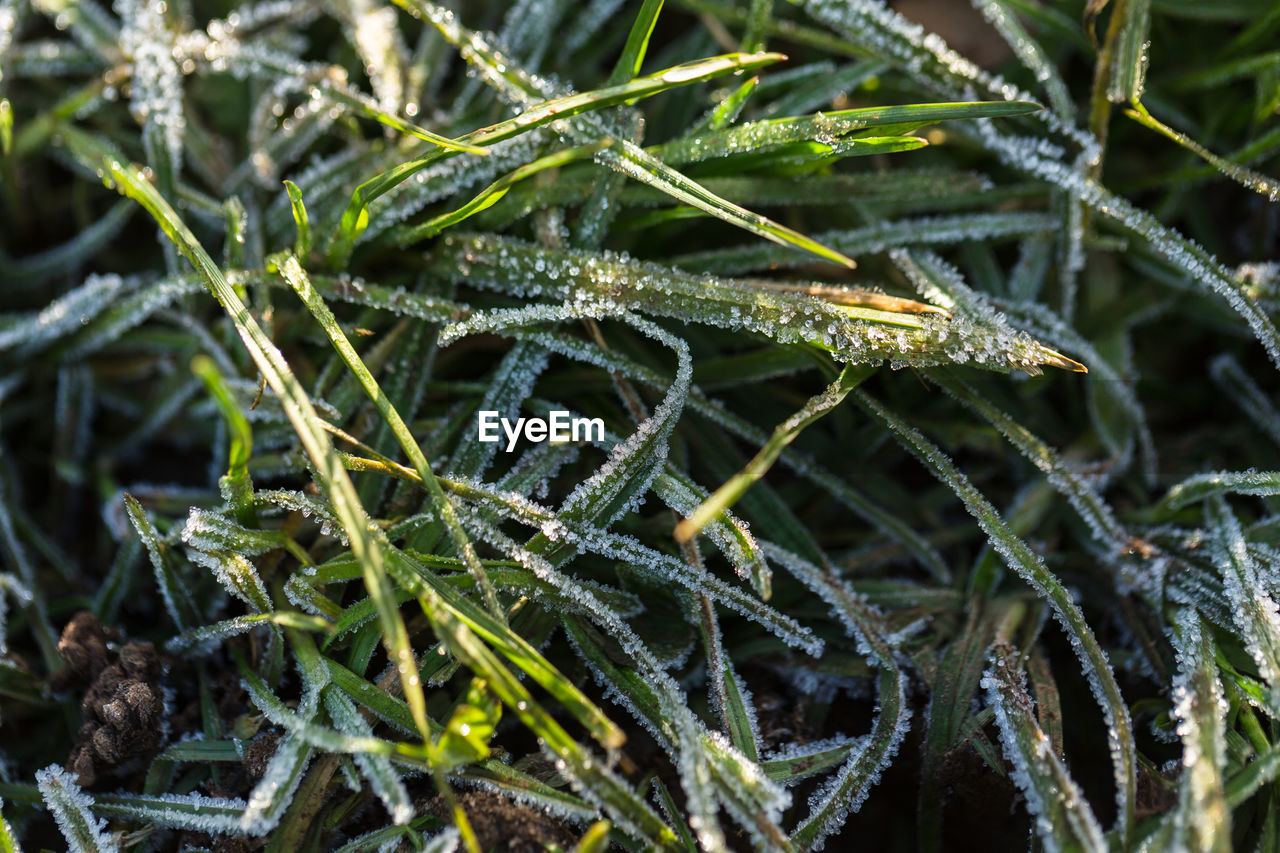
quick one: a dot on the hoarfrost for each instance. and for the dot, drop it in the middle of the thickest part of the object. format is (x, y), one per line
(72, 811)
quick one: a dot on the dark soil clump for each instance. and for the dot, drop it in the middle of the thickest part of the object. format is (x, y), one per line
(123, 707)
(501, 825)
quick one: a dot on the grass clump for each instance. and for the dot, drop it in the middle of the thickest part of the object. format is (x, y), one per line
(896, 356)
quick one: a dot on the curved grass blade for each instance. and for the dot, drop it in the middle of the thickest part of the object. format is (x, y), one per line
(783, 434)
(1199, 487)
(1259, 183)
(1021, 559)
(301, 284)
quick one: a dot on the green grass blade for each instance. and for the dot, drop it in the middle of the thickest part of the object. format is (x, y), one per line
(128, 180)
(238, 483)
(494, 193)
(302, 246)
(1021, 559)
(783, 434)
(8, 838)
(1259, 183)
(628, 65)
(354, 101)
(301, 284)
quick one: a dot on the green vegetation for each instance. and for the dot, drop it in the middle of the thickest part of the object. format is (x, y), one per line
(898, 357)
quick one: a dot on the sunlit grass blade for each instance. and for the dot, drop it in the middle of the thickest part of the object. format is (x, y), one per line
(626, 157)
(238, 483)
(853, 333)
(783, 434)
(128, 180)
(1259, 183)
(494, 193)
(349, 99)
(828, 126)
(356, 217)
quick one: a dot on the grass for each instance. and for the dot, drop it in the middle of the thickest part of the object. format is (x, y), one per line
(897, 356)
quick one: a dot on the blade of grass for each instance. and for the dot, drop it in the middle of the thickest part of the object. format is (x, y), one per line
(783, 434)
(1022, 560)
(130, 181)
(494, 193)
(1259, 183)
(356, 217)
(1064, 820)
(293, 273)
(628, 65)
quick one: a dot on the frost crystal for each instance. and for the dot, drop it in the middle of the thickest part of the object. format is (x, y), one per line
(72, 811)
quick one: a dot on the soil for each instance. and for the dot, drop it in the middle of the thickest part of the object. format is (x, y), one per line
(123, 707)
(506, 827)
(983, 809)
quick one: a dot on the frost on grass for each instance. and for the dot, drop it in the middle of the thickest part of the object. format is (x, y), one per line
(853, 334)
(1064, 820)
(382, 776)
(1202, 820)
(1254, 610)
(147, 39)
(72, 811)
(194, 812)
